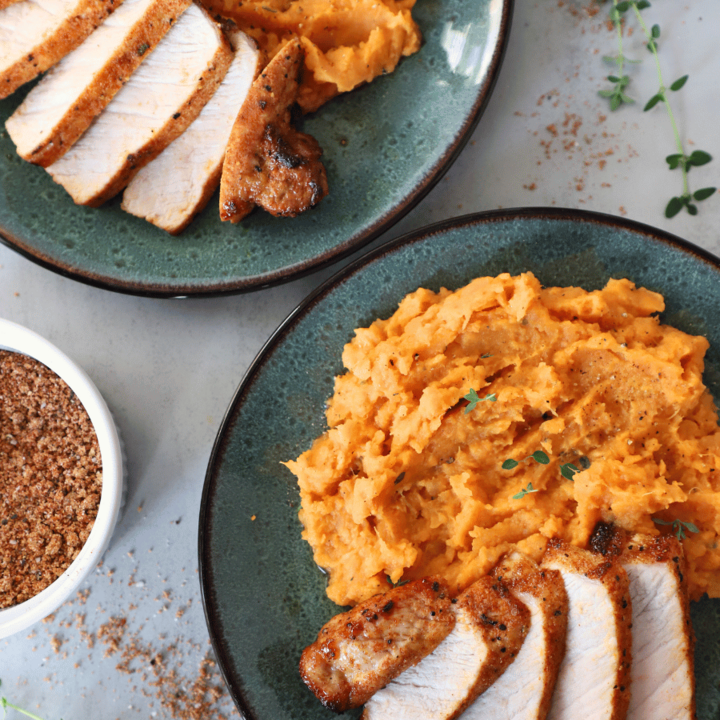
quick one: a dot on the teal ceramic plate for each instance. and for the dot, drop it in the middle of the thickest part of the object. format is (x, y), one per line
(385, 145)
(264, 598)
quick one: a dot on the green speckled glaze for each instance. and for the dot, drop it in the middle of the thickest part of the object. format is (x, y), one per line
(385, 145)
(264, 597)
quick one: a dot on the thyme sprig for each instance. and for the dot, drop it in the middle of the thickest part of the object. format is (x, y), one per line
(618, 96)
(678, 527)
(5, 704)
(525, 491)
(567, 470)
(538, 456)
(473, 399)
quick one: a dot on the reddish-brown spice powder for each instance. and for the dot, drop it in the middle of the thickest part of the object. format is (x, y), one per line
(50, 477)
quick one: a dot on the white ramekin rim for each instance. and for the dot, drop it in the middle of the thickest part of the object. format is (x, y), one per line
(20, 339)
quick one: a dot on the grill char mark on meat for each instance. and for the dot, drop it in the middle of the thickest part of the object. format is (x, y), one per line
(269, 163)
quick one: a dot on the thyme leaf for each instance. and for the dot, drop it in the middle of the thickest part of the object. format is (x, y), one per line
(678, 527)
(541, 457)
(398, 583)
(568, 470)
(538, 456)
(525, 491)
(617, 96)
(473, 399)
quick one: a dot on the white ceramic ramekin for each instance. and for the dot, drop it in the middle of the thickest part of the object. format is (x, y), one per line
(19, 339)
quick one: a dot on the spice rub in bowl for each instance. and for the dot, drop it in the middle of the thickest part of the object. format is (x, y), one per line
(50, 477)
(501, 415)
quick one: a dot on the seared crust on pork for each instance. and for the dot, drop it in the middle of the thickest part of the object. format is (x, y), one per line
(159, 101)
(663, 676)
(88, 78)
(358, 652)
(595, 673)
(524, 692)
(5, 3)
(269, 163)
(35, 34)
(504, 622)
(177, 185)
(489, 631)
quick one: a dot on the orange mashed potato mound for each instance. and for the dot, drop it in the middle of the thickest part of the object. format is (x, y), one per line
(409, 481)
(346, 42)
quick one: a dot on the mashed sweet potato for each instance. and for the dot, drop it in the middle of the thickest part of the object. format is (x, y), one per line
(346, 42)
(407, 483)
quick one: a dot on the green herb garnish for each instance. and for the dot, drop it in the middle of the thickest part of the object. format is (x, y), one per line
(5, 704)
(525, 491)
(473, 399)
(143, 49)
(398, 583)
(678, 526)
(568, 470)
(617, 97)
(620, 81)
(538, 456)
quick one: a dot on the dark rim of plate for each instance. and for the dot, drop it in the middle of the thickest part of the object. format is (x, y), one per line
(306, 306)
(282, 275)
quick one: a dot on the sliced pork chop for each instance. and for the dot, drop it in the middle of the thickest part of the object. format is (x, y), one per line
(35, 34)
(159, 101)
(594, 677)
(177, 185)
(663, 678)
(59, 109)
(268, 162)
(525, 689)
(489, 630)
(359, 651)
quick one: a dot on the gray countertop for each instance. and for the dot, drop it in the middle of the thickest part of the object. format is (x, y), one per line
(168, 368)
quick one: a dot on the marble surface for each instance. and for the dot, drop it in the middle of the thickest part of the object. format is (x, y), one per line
(168, 368)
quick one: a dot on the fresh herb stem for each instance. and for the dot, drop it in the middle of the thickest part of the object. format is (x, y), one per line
(618, 27)
(678, 527)
(525, 491)
(616, 94)
(652, 45)
(617, 97)
(7, 704)
(538, 456)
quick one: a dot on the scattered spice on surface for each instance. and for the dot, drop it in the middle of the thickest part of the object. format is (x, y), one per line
(168, 673)
(111, 634)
